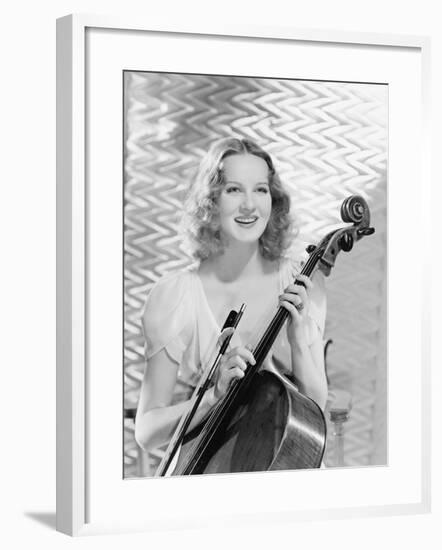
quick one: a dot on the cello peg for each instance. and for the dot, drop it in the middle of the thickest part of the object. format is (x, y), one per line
(311, 248)
(346, 242)
(365, 231)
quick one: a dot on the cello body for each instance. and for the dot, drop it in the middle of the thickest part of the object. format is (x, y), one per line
(272, 426)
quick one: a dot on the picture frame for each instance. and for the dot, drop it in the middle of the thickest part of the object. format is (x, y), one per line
(86, 470)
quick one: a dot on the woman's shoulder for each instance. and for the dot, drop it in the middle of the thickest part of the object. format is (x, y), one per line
(176, 281)
(172, 293)
(169, 313)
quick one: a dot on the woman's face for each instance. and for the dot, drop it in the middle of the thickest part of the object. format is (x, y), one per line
(245, 203)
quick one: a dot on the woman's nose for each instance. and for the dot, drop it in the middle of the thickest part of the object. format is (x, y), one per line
(248, 203)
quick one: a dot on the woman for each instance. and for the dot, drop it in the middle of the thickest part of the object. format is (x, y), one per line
(239, 224)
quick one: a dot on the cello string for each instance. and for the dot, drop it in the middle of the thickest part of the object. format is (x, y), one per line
(260, 352)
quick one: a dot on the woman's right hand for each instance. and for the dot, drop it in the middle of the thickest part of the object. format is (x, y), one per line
(232, 365)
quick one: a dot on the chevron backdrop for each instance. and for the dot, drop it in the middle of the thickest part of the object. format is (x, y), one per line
(328, 140)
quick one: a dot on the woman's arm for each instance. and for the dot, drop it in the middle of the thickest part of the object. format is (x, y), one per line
(156, 419)
(309, 370)
(307, 358)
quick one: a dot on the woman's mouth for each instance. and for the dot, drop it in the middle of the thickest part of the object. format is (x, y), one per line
(246, 220)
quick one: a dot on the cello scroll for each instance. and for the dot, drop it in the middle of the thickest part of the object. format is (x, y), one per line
(354, 210)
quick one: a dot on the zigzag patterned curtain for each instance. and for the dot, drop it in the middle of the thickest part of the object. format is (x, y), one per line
(328, 140)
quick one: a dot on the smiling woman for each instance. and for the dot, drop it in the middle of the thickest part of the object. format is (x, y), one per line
(239, 224)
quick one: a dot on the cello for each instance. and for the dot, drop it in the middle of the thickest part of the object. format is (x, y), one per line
(263, 422)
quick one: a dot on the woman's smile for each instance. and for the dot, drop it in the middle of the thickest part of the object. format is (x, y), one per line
(246, 221)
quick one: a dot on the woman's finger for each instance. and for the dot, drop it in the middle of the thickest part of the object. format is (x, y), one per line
(225, 334)
(228, 374)
(297, 297)
(293, 298)
(235, 373)
(306, 280)
(296, 300)
(291, 309)
(303, 292)
(244, 353)
(296, 289)
(236, 361)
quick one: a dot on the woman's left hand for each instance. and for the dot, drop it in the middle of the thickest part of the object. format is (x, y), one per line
(295, 300)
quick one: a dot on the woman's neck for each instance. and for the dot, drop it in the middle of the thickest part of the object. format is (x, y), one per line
(237, 262)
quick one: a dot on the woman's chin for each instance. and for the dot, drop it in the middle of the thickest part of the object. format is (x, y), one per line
(247, 239)
(245, 234)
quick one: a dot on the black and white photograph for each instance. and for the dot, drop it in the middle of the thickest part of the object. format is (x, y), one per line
(255, 274)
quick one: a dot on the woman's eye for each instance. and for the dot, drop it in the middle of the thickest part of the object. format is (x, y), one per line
(232, 189)
(264, 189)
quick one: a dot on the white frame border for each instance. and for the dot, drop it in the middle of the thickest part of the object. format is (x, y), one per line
(71, 250)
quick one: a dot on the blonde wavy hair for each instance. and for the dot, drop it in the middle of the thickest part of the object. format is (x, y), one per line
(201, 218)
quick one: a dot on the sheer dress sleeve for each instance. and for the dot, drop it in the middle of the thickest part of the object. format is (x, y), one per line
(168, 317)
